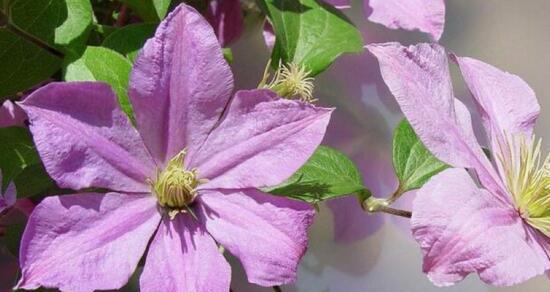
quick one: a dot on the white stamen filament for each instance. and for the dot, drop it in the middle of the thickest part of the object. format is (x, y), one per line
(527, 176)
(290, 81)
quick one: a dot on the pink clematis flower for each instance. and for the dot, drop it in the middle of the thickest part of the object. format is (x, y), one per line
(496, 223)
(185, 180)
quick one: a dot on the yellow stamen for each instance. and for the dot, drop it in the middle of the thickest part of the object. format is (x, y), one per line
(527, 177)
(175, 186)
(290, 81)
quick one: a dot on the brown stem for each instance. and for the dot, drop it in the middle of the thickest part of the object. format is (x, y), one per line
(277, 289)
(396, 212)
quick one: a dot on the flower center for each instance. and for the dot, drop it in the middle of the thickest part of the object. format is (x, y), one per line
(290, 81)
(175, 186)
(528, 180)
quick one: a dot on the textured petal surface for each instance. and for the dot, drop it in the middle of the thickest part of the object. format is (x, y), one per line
(11, 115)
(268, 234)
(462, 229)
(179, 85)
(226, 17)
(425, 15)
(261, 141)
(86, 242)
(507, 104)
(85, 140)
(418, 76)
(184, 257)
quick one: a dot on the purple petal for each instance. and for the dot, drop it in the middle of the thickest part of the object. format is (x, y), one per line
(269, 35)
(7, 198)
(268, 234)
(261, 141)
(184, 257)
(179, 85)
(85, 140)
(226, 17)
(340, 4)
(462, 229)
(11, 115)
(418, 77)
(425, 15)
(86, 242)
(508, 105)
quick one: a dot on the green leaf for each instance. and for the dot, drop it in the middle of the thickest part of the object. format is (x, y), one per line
(310, 33)
(16, 152)
(21, 163)
(33, 180)
(130, 39)
(326, 175)
(414, 164)
(149, 10)
(228, 55)
(63, 24)
(24, 64)
(13, 235)
(102, 64)
(35, 35)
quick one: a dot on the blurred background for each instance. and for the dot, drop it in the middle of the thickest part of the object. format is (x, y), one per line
(350, 250)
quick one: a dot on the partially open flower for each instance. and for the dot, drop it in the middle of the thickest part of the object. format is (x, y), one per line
(499, 229)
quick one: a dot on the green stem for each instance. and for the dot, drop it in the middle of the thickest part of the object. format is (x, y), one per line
(398, 192)
(374, 205)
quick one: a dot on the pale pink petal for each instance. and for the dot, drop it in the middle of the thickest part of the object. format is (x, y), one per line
(183, 257)
(340, 4)
(419, 78)
(507, 104)
(462, 229)
(11, 115)
(86, 242)
(261, 141)
(269, 35)
(226, 17)
(425, 15)
(268, 234)
(179, 85)
(85, 140)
